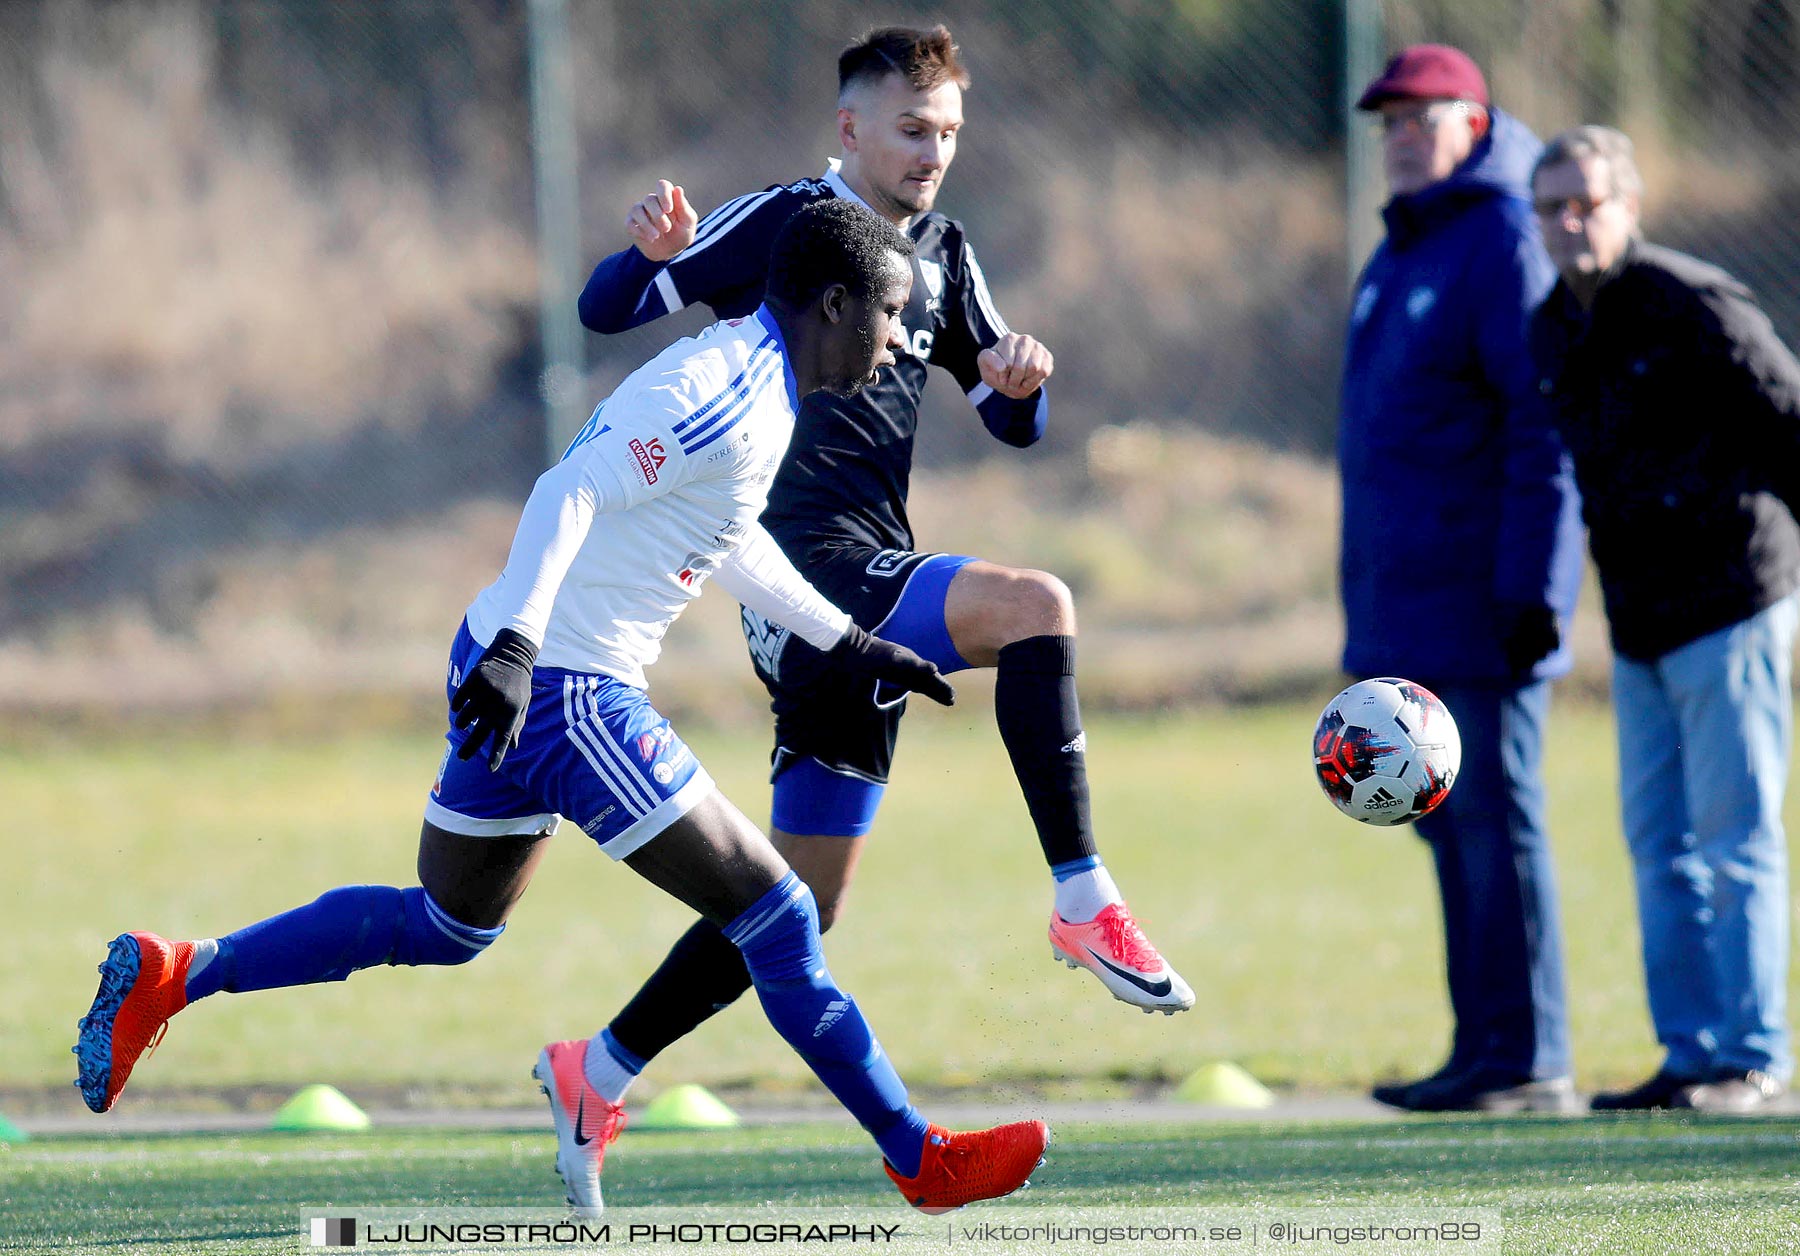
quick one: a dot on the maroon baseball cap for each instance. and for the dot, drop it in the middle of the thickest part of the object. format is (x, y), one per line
(1427, 72)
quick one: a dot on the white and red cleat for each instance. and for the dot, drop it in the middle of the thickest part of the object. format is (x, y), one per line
(585, 1123)
(1114, 949)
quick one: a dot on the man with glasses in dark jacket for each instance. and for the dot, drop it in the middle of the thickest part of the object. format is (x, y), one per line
(1682, 410)
(1461, 553)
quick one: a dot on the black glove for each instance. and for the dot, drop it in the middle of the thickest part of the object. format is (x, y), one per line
(492, 698)
(1529, 633)
(863, 655)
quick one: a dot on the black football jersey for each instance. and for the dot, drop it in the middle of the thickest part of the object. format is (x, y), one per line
(848, 468)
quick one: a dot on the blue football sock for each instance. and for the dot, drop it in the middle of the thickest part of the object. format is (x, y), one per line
(1063, 871)
(779, 937)
(341, 931)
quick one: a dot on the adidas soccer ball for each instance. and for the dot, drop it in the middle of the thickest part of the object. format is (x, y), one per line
(1386, 751)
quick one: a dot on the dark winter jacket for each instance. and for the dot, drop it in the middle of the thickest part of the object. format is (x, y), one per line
(1681, 407)
(1459, 509)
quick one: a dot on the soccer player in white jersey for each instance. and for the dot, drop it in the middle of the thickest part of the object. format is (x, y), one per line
(549, 719)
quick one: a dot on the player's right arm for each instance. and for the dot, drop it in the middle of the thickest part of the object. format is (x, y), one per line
(627, 454)
(612, 469)
(490, 703)
(677, 259)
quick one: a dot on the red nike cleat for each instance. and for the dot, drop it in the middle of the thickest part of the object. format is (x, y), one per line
(961, 1168)
(143, 982)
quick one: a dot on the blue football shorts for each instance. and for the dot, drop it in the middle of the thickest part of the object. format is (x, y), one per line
(834, 734)
(593, 749)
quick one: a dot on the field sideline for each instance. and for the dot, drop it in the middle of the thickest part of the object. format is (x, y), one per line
(1618, 1186)
(1312, 941)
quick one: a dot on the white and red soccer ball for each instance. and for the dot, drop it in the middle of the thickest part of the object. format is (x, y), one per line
(1386, 751)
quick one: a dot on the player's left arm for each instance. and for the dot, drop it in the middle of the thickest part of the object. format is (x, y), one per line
(1002, 371)
(760, 576)
(1538, 501)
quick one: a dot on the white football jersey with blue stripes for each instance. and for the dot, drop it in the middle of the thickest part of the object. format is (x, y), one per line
(653, 496)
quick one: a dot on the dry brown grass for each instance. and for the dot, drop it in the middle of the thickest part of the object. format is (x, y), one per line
(206, 308)
(1201, 569)
(172, 265)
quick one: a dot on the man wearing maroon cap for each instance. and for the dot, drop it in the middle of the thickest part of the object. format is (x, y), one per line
(1462, 552)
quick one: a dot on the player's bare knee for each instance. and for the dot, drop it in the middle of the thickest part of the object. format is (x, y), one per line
(1037, 604)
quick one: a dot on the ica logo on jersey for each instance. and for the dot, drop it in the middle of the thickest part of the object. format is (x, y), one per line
(650, 458)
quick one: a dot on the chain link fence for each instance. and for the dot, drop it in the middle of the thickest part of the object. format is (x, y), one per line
(271, 368)
(1709, 92)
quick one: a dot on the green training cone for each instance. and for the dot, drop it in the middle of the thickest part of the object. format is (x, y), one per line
(319, 1107)
(10, 1133)
(1223, 1084)
(688, 1107)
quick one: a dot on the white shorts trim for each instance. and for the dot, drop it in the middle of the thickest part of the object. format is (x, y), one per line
(544, 823)
(665, 813)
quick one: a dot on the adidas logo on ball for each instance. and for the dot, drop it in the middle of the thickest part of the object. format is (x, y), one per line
(1386, 751)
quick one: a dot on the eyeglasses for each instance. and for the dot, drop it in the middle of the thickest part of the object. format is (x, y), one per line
(1556, 209)
(1424, 119)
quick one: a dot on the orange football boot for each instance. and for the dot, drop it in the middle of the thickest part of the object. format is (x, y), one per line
(142, 984)
(960, 1168)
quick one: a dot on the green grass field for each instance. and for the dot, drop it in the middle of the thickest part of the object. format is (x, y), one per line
(1312, 941)
(1604, 1186)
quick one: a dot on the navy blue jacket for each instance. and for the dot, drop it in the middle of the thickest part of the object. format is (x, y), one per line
(1459, 504)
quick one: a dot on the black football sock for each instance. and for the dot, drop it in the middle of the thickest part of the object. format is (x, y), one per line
(703, 973)
(1040, 722)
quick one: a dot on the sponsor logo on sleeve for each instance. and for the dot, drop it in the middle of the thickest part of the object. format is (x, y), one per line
(696, 568)
(650, 458)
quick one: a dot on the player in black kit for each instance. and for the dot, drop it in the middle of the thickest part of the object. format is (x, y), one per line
(838, 509)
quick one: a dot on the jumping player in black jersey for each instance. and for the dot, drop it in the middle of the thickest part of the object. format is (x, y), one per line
(838, 509)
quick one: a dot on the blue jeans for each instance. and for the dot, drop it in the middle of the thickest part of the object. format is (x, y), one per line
(1502, 938)
(1704, 737)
